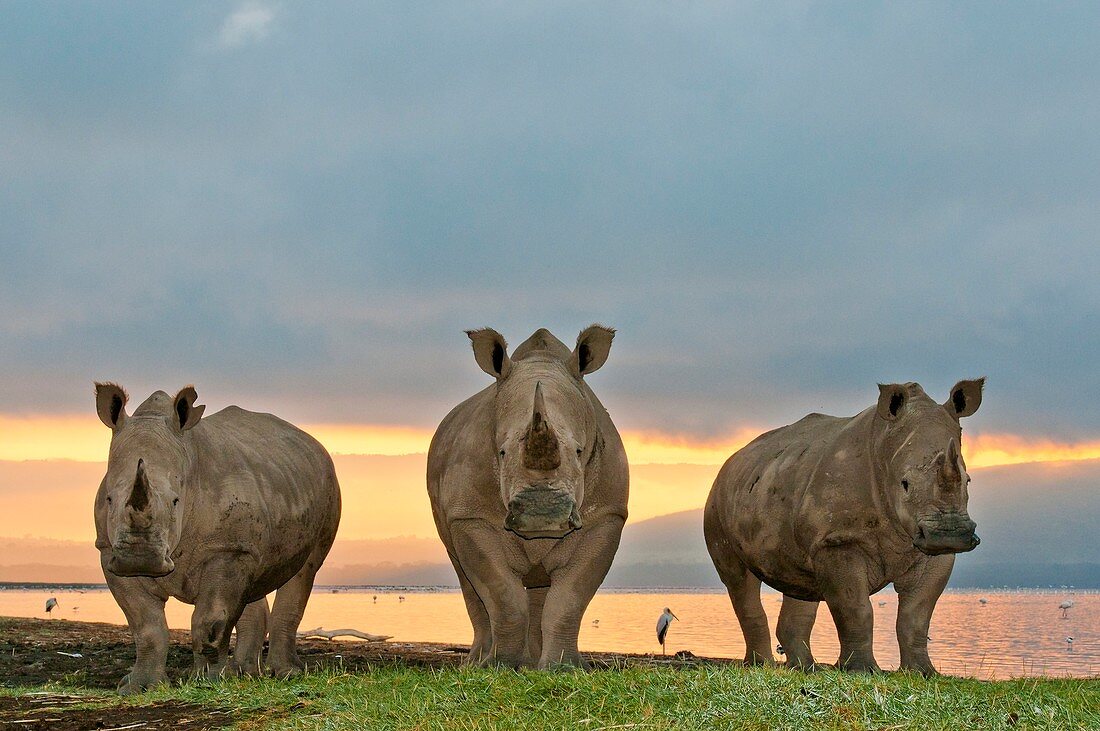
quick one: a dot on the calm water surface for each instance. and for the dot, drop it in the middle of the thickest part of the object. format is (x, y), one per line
(1013, 634)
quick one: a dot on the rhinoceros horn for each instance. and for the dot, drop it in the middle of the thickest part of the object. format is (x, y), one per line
(540, 450)
(139, 494)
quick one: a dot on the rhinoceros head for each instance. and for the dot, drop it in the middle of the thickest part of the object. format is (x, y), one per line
(920, 464)
(146, 469)
(545, 437)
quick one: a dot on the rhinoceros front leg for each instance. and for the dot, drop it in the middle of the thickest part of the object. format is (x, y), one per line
(842, 576)
(572, 586)
(483, 554)
(218, 606)
(482, 646)
(918, 591)
(145, 615)
(796, 622)
(251, 633)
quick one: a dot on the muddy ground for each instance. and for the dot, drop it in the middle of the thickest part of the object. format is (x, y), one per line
(94, 655)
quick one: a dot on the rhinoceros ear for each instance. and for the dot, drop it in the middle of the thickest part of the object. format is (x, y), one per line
(966, 397)
(187, 413)
(892, 398)
(110, 404)
(593, 347)
(491, 352)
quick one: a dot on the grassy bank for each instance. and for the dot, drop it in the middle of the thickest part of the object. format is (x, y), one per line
(399, 697)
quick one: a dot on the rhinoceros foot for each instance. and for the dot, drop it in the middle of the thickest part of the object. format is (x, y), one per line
(135, 682)
(924, 668)
(286, 668)
(250, 667)
(569, 662)
(857, 664)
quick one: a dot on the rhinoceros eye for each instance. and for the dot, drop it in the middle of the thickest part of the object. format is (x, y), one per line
(502, 453)
(905, 485)
(108, 499)
(175, 501)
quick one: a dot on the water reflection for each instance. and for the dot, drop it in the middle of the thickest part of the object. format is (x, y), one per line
(1009, 635)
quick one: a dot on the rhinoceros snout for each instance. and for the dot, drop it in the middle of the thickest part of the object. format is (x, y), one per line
(952, 533)
(542, 512)
(141, 563)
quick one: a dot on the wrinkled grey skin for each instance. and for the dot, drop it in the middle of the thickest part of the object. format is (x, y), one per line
(216, 512)
(528, 484)
(833, 509)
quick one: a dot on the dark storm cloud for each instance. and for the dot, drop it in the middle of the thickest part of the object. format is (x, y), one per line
(777, 205)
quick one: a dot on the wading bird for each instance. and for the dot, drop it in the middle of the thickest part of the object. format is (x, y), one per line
(50, 604)
(662, 626)
(1065, 607)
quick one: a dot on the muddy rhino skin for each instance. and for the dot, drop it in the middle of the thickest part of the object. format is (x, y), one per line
(528, 485)
(216, 512)
(833, 509)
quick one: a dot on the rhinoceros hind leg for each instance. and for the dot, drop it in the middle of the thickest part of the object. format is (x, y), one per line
(796, 621)
(744, 590)
(918, 592)
(251, 633)
(286, 615)
(536, 600)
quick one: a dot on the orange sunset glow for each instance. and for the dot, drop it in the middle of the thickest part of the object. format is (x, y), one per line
(83, 438)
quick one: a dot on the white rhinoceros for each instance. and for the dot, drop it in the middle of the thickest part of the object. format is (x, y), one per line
(528, 484)
(216, 512)
(835, 508)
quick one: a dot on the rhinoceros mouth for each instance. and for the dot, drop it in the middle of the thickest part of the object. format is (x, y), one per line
(542, 512)
(932, 542)
(140, 560)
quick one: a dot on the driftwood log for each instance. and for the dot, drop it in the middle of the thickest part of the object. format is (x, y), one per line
(329, 634)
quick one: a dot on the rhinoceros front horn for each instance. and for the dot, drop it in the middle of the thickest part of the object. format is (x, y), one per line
(540, 451)
(139, 494)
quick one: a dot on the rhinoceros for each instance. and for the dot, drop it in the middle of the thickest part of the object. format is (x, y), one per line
(833, 509)
(216, 512)
(528, 483)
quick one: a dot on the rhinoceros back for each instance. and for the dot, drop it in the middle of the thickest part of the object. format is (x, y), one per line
(758, 504)
(266, 487)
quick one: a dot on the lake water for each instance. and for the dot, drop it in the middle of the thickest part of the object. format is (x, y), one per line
(1015, 633)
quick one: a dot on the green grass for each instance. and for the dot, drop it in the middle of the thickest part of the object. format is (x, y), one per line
(396, 697)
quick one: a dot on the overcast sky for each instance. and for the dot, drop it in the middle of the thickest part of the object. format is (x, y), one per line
(300, 208)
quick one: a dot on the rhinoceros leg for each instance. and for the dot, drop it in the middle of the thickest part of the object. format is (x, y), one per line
(480, 548)
(251, 633)
(744, 590)
(217, 608)
(145, 615)
(482, 646)
(286, 615)
(572, 586)
(842, 577)
(918, 591)
(796, 622)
